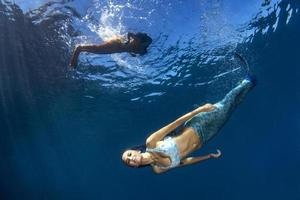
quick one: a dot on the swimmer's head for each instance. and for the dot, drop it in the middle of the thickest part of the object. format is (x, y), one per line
(132, 158)
(144, 41)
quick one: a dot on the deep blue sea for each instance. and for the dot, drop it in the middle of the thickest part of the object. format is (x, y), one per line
(62, 131)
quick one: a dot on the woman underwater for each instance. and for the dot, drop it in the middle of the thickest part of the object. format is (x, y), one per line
(163, 152)
(136, 43)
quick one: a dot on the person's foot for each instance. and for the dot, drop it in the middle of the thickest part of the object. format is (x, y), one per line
(252, 79)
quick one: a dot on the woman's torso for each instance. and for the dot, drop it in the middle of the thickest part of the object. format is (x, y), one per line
(186, 142)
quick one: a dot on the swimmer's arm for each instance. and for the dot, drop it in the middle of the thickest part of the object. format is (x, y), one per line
(161, 133)
(189, 161)
(158, 170)
(184, 162)
(193, 160)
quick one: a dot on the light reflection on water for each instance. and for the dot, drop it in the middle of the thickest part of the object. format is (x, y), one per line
(180, 41)
(188, 38)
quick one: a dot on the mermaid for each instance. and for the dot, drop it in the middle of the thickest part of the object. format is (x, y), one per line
(163, 151)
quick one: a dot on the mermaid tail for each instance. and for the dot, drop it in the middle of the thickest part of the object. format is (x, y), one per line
(208, 124)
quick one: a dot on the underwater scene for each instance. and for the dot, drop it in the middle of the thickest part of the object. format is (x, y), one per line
(145, 70)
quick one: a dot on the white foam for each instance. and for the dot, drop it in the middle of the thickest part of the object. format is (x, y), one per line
(290, 13)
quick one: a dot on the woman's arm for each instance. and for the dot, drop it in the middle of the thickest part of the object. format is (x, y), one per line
(159, 170)
(193, 160)
(161, 133)
(189, 161)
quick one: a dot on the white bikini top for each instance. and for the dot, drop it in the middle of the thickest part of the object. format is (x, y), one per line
(168, 148)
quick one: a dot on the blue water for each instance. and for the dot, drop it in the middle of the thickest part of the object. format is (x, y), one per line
(63, 132)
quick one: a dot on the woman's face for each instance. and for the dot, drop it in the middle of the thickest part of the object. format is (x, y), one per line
(132, 158)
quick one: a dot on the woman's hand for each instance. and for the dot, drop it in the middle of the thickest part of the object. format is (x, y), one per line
(215, 155)
(205, 108)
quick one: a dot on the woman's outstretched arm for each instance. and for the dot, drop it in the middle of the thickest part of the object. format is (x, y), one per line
(85, 48)
(161, 133)
(193, 160)
(105, 48)
(189, 161)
